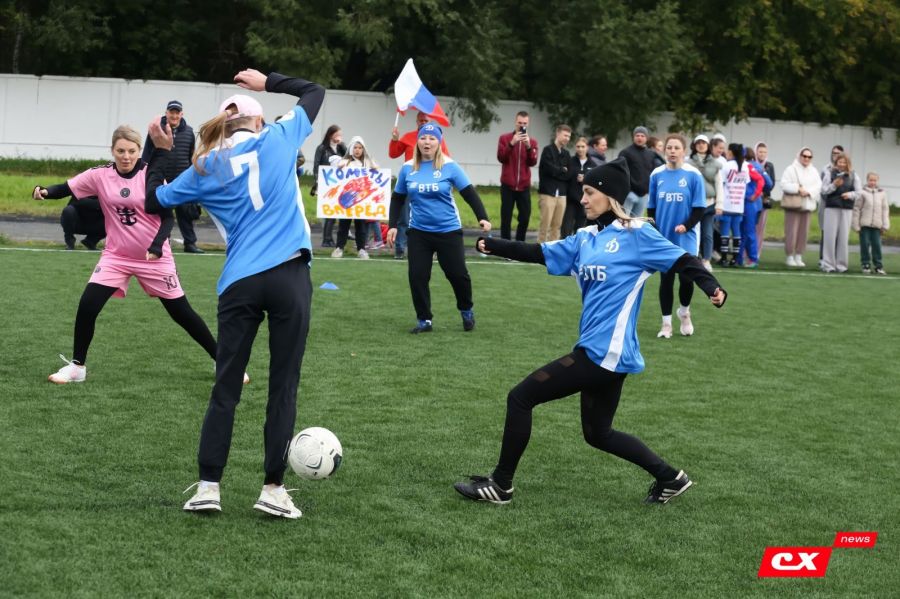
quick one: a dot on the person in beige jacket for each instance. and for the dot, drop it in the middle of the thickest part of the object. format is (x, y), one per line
(871, 218)
(800, 177)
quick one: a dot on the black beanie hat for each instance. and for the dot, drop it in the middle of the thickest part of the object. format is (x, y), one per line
(612, 178)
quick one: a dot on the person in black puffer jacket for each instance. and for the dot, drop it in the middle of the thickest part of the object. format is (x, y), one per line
(179, 159)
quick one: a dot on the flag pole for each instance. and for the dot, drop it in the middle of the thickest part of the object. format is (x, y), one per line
(397, 119)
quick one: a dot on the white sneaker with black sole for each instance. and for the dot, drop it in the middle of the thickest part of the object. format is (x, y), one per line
(205, 499)
(277, 503)
(664, 491)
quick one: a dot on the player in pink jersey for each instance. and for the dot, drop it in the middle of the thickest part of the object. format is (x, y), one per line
(137, 245)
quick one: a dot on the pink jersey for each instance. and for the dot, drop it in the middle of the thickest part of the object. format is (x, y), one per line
(129, 229)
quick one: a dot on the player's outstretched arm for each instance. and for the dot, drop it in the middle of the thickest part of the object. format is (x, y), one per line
(311, 95)
(54, 192)
(514, 250)
(693, 269)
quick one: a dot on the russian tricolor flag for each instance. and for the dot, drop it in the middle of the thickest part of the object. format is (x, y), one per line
(411, 93)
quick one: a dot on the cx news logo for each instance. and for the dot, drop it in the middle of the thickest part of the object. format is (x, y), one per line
(809, 562)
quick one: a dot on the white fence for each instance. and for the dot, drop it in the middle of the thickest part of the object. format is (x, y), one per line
(73, 117)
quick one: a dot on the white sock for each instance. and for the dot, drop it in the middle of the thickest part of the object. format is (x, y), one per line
(684, 310)
(272, 488)
(205, 484)
(667, 320)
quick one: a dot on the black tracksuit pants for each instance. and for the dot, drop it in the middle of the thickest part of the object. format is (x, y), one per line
(600, 391)
(451, 254)
(284, 293)
(521, 201)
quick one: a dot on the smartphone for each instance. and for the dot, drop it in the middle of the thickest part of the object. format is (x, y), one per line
(522, 130)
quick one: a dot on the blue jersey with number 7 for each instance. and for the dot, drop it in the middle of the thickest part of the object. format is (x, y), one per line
(250, 191)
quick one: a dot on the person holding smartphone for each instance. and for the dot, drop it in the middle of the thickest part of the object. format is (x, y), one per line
(517, 152)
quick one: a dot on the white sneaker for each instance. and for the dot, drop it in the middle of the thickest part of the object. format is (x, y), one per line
(687, 327)
(791, 261)
(337, 253)
(363, 255)
(70, 373)
(665, 331)
(246, 379)
(798, 259)
(277, 503)
(707, 265)
(205, 499)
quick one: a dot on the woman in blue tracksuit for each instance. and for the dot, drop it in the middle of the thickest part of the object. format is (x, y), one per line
(677, 203)
(611, 260)
(427, 181)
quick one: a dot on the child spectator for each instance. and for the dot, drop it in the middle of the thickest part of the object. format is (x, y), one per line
(871, 218)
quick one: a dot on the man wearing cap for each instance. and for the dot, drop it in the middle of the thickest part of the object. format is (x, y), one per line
(640, 164)
(178, 160)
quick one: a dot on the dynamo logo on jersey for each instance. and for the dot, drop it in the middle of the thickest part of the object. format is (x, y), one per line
(612, 246)
(682, 182)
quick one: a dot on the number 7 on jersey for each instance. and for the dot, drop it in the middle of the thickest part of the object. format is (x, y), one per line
(251, 159)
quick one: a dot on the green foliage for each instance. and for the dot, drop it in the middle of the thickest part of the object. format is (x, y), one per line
(603, 65)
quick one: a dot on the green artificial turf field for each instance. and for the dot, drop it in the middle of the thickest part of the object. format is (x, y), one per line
(782, 408)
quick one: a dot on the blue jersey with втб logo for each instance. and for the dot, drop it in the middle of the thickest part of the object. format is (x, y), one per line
(430, 195)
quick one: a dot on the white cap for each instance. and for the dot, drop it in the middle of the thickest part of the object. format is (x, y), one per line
(702, 138)
(719, 136)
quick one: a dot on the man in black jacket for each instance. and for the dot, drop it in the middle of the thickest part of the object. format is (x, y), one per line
(640, 164)
(553, 170)
(179, 159)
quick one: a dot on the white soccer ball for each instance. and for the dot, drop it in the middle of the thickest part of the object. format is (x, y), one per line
(315, 453)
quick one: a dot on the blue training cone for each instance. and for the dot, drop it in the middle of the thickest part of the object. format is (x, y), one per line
(329, 286)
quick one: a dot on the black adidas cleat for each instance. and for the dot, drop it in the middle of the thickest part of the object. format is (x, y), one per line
(663, 491)
(483, 488)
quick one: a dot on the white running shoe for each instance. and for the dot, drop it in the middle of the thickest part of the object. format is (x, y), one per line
(790, 260)
(337, 253)
(205, 499)
(277, 503)
(684, 316)
(665, 331)
(246, 379)
(70, 373)
(798, 259)
(707, 265)
(363, 255)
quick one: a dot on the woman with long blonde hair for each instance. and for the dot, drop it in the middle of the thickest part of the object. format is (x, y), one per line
(244, 176)
(612, 260)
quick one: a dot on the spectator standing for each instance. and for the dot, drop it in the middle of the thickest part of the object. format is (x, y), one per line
(640, 164)
(517, 152)
(357, 157)
(840, 188)
(597, 151)
(717, 147)
(177, 161)
(800, 178)
(762, 157)
(554, 183)
(574, 217)
(709, 168)
(83, 217)
(752, 208)
(328, 153)
(736, 177)
(659, 158)
(871, 218)
(836, 151)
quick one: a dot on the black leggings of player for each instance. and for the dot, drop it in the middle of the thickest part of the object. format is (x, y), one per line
(521, 201)
(95, 297)
(600, 391)
(284, 293)
(667, 291)
(451, 254)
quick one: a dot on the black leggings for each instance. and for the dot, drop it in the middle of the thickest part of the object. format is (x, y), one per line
(600, 391)
(667, 289)
(421, 247)
(95, 297)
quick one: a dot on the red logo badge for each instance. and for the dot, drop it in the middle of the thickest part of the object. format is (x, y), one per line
(855, 539)
(794, 562)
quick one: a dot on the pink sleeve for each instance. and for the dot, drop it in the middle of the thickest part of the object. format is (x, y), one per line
(84, 185)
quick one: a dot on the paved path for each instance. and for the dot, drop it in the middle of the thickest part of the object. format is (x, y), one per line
(29, 229)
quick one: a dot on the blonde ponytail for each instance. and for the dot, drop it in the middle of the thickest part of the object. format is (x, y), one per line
(212, 135)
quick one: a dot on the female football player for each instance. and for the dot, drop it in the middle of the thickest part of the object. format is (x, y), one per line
(137, 245)
(244, 176)
(611, 260)
(434, 226)
(677, 203)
